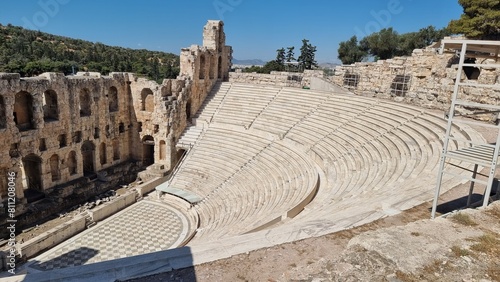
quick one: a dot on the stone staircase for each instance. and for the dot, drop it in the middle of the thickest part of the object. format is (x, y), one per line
(193, 132)
(189, 137)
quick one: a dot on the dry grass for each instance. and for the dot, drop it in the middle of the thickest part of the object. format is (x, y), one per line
(459, 252)
(495, 212)
(494, 271)
(241, 277)
(405, 277)
(426, 274)
(302, 251)
(432, 268)
(464, 219)
(488, 244)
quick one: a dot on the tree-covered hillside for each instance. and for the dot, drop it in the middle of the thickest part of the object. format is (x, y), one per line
(387, 43)
(31, 53)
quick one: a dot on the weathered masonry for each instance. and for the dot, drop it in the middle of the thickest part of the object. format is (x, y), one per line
(69, 138)
(426, 79)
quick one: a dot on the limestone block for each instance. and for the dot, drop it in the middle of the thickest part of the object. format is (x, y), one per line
(423, 72)
(417, 52)
(52, 237)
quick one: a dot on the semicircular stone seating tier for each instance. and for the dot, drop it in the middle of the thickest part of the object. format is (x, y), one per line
(246, 181)
(258, 160)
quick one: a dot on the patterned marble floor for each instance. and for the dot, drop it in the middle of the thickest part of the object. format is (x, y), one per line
(144, 227)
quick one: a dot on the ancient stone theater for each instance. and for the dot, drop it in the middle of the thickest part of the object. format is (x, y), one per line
(217, 163)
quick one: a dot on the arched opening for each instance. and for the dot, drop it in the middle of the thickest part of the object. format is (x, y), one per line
(77, 137)
(148, 150)
(219, 68)
(147, 100)
(42, 146)
(113, 99)
(85, 103)
(32, 172)
(102, 153)
(71, 163)
(3, 116)
(23, 111)
(50, 109)
(62, 140)
(88, 152)
(202, 67)
(163, 150)
(400, 85)
(188, 110)
(31, 178)
(211, 68)
(54, 167)
(116, 149)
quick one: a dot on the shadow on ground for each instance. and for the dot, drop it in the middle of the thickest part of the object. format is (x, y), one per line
(461, 203)
(75, 257)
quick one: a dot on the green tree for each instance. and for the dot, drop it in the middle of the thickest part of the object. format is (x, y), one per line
(289, 54)
(430, 34)
(272, 66)
(257, 69)
(381, 45)
(155, 69)
(480, 19)
(350, 51)
(169, 72)
(307, 53)
(32, 52)
(280, 57)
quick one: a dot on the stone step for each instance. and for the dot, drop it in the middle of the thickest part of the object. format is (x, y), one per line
(264, 147)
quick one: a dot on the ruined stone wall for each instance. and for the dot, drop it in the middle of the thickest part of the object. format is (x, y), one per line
(280, 79)
(72, 137)
(48, 129)
(160, 117)
(173, 103)
(425, 79)
(206, 64)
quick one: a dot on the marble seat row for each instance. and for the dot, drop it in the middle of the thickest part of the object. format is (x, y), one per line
(265, 146)
(243, 179)
(266, 198)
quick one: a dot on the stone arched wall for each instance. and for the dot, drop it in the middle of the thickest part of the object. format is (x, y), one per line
(50, 107)
(98, 121)
(23, 111)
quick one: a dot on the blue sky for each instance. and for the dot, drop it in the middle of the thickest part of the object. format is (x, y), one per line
(255, 28)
